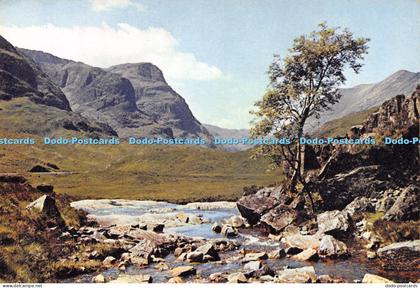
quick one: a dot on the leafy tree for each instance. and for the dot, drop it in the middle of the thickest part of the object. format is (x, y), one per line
(303, 85)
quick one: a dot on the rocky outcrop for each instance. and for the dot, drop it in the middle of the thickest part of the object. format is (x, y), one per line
(406, 206)
(403, 256)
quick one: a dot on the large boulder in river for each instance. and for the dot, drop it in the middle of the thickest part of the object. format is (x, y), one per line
(334, 223)
(298, 275)
(407, 205)
(252, 207)
(401, 256)
(279, 218)
(331, 247)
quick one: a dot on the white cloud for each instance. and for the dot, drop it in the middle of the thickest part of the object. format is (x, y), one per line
(105, 5)
(104, 46)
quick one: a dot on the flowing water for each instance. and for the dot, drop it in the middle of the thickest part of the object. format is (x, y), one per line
(123, 212)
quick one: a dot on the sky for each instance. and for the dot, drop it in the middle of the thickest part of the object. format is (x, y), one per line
(214, 53)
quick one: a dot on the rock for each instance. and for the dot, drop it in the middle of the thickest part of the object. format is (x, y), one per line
(12, 178)
(218, 277)
(236, 222)
(331, 247)
(183, 271)
(176, 280)
(108, 261)
(158, 228)
(302, 242)
(277, 254)
(141, 253)
(99, 279)
(46, 205)
(335, 223)
(183, 217)
(307, 255)
(252, 207)
(237, 278)
(195, 257)
(252, 266)
(400, 256)
(371, 278)
(178, 251)
(124, 278)
(45, 188)
(217, 227)
(325, 279)
(229, 231)
(371, 254)
(298, 275)
(208, 250)
(254, 257)
(406, 207)
(39, 169)
(358, 205)
(279, 218)
(267, 278)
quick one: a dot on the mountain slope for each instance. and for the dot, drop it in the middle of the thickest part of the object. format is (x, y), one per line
(33, 103)
(366, 96)
(134, 99)
(230, 133)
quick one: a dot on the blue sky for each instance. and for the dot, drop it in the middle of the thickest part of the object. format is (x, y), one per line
(214, 53)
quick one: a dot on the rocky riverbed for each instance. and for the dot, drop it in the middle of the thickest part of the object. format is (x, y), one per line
(211, 242)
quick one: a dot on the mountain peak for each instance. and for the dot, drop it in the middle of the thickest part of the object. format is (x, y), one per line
(144, 70)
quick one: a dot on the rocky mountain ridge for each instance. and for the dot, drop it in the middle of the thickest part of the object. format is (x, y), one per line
(134, 99)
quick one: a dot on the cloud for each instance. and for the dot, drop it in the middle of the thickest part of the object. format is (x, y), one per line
(106, 5)
(104, 46)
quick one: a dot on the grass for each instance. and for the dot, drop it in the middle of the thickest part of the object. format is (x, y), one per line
(171, 173)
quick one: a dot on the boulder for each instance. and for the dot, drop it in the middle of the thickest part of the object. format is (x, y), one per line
(400, 256)
(228, 231)
(298, 275)
(133, 279)
(208, 250)
(46, 205)
(236, 222)
(158, 228)
(108, 261)
(99, 279)
(237, 278)
(217, 227)
(277, 254)
(39, 169)
(334, 223)
(371, 278)
(176, 280)
(45, 188)
(406, 207)
(195, 257)
(359, 205)
(303, 242)
(309, 254)
(279, 218)
(254, 257)
(141, 253)
(183, 271)
(252, 266)
(252, 207)
(331, 247)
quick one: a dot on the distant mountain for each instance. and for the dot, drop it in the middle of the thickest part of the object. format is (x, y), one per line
(230, 133)
(134, 99)
(366, 96)
(33, 102)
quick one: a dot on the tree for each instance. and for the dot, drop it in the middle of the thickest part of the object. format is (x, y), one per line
(303, 85)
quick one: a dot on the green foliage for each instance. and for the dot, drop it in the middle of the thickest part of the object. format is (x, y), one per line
(304, 84)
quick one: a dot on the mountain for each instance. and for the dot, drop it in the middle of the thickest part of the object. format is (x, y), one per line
(366, 96)
(230, 133)
(32, 102)
(134, 99)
